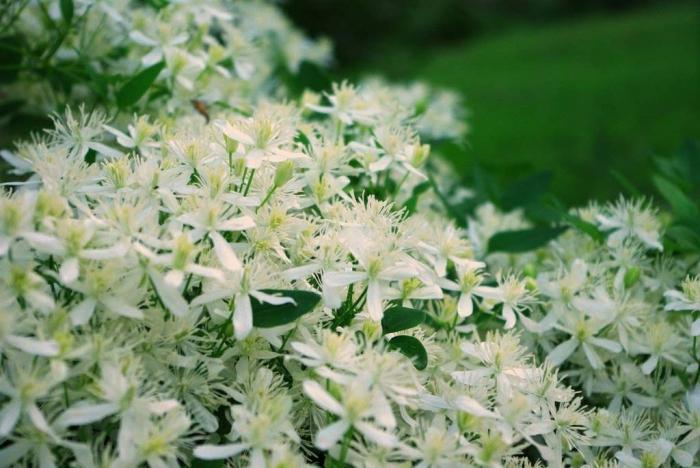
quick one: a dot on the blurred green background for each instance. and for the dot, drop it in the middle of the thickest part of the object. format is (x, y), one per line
(586, 90)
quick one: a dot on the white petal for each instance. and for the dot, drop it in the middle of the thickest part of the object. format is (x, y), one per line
(650, 364)
(81, 313)
(562, 351)
(322, 398)
(228, 258)
(218, 452)
(235, 134)
(34, 346)
(374, 301)
(612, 346)
(330, 435)
(593, 358)
(379, 437)
(242, 317)
(271, 299)
(117, 250)
(44, 243)
(465, 307)
(382, 413)
(163, 406)
(174, 278)
(38, 419)
(695, 328)
(10, 455)
(236, 224)
(84, 413)
(168, 295)
(336, 279)
(472, 406)
(509, 316)
(120, 307)
(9, 416)
(69, 271)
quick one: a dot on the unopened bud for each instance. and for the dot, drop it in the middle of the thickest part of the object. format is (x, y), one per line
(283, 173)
(230, 144)
(631, 277)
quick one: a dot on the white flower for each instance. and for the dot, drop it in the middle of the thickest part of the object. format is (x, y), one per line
(688, 298)
(631, 219)
(361, 409)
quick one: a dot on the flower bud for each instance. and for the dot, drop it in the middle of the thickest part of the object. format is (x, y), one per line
(283, 173)
(372, 330)
(631, 277)
(230, 144)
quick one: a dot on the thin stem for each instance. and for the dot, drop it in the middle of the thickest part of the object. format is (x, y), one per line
(346, 445)
(250, 181)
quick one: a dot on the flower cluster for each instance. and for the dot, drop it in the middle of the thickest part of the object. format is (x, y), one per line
(224, 54)
(278, 279)
(619, 319)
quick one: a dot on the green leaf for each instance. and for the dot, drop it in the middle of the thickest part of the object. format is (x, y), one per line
(67, 10)
(267, 315)
(626, 184)
(137, 86)
(412, 348)
(412, 202)
(585, 227)
(198, 463)
(401, 318)
(524, 240)
(526, 191)
(682, 206)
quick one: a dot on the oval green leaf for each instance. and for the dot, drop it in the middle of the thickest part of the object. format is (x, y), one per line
(267, 315)
(401, 318)
(412, 348)
(524, 240)
(137, 86)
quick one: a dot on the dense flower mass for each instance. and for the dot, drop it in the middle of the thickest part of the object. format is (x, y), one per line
(271, 279)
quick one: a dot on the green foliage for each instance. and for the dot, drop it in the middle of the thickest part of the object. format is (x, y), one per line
(401, 318)
(523, 240)
(267, 315)
(678, 183)
(412, 348)
(138, 85)
(578, 99)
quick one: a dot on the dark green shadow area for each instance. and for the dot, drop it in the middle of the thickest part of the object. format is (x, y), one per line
(581, 98)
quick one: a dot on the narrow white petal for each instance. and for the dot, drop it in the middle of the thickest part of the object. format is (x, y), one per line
(593, 358)
(9, 416)
(336, 279)
(119, 307)
(650, 364)
(81, 313)
(322, 398)
(465, 307)
(562, 351)
(271, 299)
(374, 301)
(228, 258)
(218, 452)
(168, 295)
(33, 346)
(85, 413)
(69, 271)
(379, 437)
(242, 317)
(236, 224)
(330, 435)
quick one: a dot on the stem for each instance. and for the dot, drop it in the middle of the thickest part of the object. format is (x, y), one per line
(346, 445)
(267, 197)
(250, 181)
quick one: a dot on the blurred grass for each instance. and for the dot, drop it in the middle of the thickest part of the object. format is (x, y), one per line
(581, 98)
